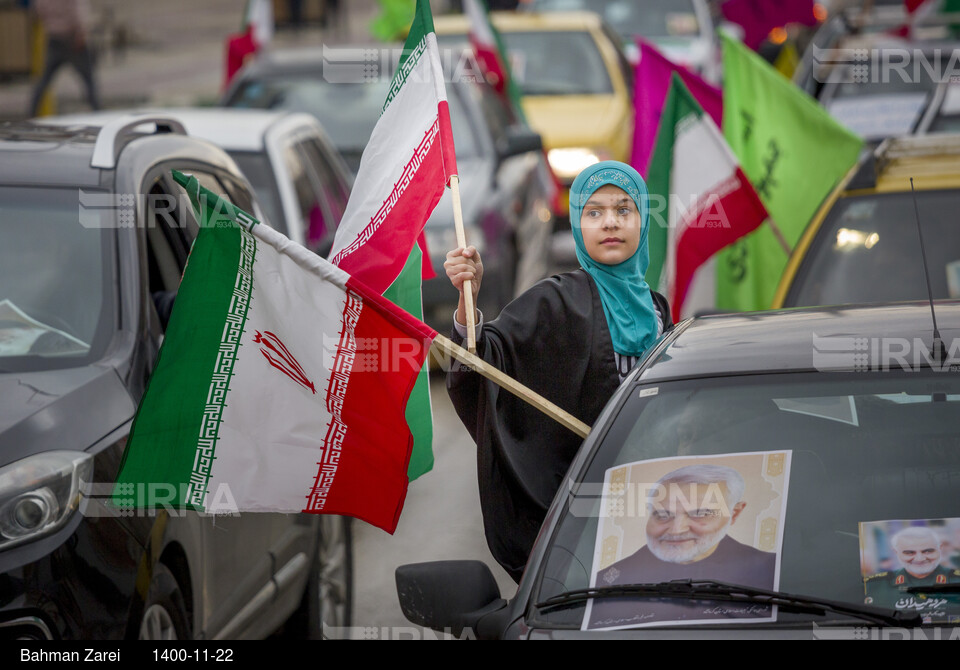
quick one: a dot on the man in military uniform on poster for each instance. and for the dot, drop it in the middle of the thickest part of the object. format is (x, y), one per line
(918, 550)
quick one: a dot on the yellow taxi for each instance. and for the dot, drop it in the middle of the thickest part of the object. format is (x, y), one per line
(863, 244)
(576, 83)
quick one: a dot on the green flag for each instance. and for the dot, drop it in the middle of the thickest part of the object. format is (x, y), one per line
(792, 151)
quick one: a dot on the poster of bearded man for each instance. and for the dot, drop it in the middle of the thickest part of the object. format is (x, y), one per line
(714, 517)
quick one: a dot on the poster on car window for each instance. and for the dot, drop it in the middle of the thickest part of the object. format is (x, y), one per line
(714, 518)
(913, 566)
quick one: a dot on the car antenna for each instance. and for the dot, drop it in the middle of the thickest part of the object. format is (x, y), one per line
(938, 350)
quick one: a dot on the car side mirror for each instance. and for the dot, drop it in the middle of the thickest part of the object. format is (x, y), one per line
(518, 139)
(449, 596)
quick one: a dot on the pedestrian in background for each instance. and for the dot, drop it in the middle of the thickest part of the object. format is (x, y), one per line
(67, 27)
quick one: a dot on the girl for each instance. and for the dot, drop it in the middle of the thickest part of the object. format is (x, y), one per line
(572, 338)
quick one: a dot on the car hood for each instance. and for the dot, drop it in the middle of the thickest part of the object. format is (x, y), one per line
(60, 409)
(560, 119)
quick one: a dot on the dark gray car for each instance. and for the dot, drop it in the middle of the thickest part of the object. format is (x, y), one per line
(96, 234)
(844, 427)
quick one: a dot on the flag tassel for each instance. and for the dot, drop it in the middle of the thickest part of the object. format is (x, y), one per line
(443, 346)
(467, 285)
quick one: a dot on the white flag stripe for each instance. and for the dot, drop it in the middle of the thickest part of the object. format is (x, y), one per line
(701, 163)
(415, 111)
(289, 303)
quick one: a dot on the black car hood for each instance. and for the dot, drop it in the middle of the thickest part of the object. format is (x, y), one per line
(60, 409)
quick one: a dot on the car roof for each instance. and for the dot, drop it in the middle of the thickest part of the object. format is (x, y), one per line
(57, 156)
(509, 21)
(789, 340)
(933, 161)
(233, 129)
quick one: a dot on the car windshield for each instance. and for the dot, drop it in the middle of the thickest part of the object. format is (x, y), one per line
(256, 168)
(347, 111)
(831, 467)
(557, 63)
(878, 102)
(868, 250)
(54, 275)
(651, 19)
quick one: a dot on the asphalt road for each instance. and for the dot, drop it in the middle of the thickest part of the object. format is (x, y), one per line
(440, 521)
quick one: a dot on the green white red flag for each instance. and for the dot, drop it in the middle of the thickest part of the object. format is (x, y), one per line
(280, 387)
(701, 194)
(405, 166)
(492, 54)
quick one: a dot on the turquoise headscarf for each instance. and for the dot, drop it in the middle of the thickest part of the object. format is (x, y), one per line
(625, 295)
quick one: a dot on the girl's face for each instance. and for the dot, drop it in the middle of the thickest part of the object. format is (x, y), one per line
(610, 224)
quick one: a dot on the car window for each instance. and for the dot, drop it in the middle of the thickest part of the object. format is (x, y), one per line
(557, 63)
(256, 168)
(868, 250)
(314, 219)
(333, 186)
(821, 454)
(496, 112)
(348, 112)
(650, 19)
(56, 274)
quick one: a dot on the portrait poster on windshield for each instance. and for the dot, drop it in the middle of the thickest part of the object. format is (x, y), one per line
(714, 518)
(913, 566)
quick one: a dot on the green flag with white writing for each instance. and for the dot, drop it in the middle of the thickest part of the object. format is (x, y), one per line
(792, 151)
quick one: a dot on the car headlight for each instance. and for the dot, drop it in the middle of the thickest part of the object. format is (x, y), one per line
(38, 494)
(567, 163)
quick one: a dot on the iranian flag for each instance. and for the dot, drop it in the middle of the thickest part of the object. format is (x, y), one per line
(405, 166)
(491, 53)
(280, 386)
(704, 201)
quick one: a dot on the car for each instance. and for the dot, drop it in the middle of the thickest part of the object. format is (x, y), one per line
(684, 31)
(299, 178)
(863, 243)
(576, 88)
(506, 200)
(895, 90)
(97, 234)
(750, 460)
(850, 28)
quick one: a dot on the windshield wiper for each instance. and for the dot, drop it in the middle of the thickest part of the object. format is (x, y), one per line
(708, 589)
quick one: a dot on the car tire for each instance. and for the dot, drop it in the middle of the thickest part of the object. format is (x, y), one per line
(326, 610)
(164, 614)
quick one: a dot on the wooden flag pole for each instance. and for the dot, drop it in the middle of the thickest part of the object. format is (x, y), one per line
(467, 285)
(775, 229)
(446, 346)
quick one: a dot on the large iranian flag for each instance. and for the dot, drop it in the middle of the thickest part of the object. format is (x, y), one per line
(700, 202)
(405, 166)
(280, 386)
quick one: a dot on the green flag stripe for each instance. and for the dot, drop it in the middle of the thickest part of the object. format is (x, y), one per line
(414, 47)
(181, 411)
(405, 292)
